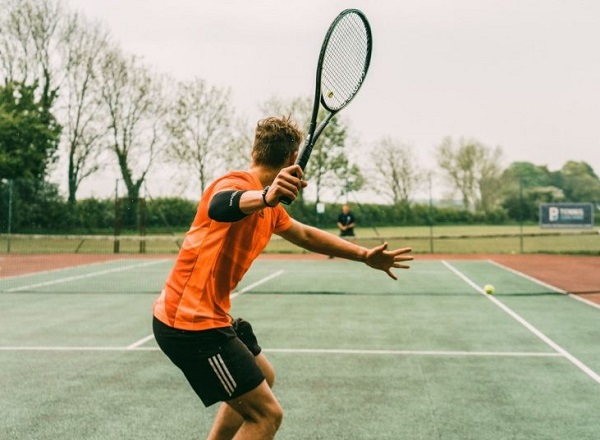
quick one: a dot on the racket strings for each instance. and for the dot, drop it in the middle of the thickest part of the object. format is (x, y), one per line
(345, 62)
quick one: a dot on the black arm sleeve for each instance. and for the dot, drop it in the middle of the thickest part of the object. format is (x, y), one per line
(225, 206)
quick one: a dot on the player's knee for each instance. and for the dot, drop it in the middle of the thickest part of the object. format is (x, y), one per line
(275, 416)
(269, 418)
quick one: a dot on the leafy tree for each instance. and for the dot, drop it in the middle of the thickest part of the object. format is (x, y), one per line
(29, 133)
(528, 174)
(526, 185)
(352, 177)
(329, 164)
(579, 182)
(475, 171)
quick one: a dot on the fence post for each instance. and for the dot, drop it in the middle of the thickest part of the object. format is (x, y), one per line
(10, 213)
(431, 250)
(117, 225)
(521, 215)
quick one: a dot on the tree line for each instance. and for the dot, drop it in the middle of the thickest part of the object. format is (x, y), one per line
(71, 98)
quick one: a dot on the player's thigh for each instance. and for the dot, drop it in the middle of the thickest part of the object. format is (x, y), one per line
(267, 369)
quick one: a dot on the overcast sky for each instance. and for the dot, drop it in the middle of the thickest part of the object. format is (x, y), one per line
(519, 74)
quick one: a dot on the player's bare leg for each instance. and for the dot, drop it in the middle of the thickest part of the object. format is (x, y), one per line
(228, 421)
(260, 412)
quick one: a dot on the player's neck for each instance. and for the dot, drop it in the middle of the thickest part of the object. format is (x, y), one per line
(265, 175)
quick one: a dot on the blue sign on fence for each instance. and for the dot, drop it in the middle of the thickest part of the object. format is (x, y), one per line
(566, 215)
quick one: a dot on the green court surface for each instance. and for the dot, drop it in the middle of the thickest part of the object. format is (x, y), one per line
(357, 355)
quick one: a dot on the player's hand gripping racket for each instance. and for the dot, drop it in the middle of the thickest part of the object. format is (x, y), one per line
(342, 68)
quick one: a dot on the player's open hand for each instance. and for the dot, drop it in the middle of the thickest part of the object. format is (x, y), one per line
(288, 183)
(380, 258)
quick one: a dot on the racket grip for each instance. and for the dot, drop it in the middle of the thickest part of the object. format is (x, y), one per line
(285, 200)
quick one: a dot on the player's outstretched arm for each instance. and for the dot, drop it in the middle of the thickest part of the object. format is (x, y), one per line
(316, 240)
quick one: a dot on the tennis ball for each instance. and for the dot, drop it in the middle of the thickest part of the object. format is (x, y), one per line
(489, 289)
(330, 94)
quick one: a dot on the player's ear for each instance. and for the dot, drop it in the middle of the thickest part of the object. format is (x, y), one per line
(293, 158)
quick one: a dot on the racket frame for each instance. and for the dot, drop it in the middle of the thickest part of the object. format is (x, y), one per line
(315, 131)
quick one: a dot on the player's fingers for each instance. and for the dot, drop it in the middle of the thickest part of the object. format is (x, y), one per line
(401, 251)
(382, 247)
(293, 179)
(285, 186)
(401, 266)
(291, 193)
(391, 274)
(295, 170)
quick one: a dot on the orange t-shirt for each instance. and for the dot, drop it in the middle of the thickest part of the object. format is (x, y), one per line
(213, 259)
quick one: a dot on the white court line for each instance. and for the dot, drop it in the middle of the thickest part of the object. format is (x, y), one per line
(593, 375)
(411, 352)
(546, 285)
(142, 341)
(314, 351)
(66, 348)
(83, 276)
(256, 284)
(58, 269)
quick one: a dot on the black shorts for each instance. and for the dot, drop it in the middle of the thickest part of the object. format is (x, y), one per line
(217, 363)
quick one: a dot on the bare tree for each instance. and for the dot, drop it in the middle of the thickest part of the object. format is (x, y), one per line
(133, 99)
(396, 171)
(31, 33)
(202, 129)
(237, 156)
(474, 170)
(84, 122)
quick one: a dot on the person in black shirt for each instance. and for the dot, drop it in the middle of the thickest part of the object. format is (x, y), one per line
(346, 222)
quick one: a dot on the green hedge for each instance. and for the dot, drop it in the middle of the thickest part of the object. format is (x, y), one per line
(39, 208)
(396, 215)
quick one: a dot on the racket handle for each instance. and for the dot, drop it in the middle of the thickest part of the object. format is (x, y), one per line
(285, 200)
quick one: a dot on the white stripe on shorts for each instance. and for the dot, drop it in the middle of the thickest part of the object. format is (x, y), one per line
(220, 369)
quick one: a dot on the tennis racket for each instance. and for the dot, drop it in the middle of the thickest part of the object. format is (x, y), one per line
(342, 67)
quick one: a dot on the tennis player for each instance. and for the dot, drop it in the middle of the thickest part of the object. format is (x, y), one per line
(237, 215)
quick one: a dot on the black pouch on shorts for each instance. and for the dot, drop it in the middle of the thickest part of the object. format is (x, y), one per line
(244, 331)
